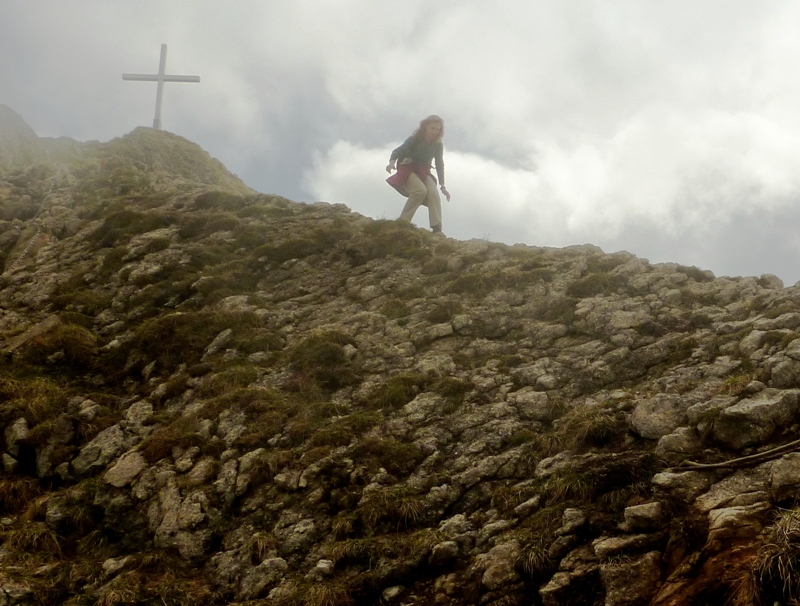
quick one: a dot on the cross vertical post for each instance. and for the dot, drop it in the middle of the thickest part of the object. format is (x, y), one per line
(162, 71)
(160, 78)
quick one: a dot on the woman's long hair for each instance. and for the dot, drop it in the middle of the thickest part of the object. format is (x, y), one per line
(418, 134)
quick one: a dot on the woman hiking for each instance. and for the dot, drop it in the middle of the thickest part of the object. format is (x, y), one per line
(413, 178)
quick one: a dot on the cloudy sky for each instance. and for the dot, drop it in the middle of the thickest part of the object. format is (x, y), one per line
(668, 129)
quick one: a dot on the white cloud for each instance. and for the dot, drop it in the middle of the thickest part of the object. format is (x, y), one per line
(687, 177)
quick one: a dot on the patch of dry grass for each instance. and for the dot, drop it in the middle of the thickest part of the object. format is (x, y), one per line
(591, 426)
(774, 574)
(393, 505)
(37, 399)
(17, 493)
(33, 537)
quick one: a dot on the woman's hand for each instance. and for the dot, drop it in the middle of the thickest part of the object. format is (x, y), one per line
(445, 192)
(390, 167)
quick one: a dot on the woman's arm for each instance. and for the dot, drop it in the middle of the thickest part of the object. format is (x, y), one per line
(439, 162)
(399, 153)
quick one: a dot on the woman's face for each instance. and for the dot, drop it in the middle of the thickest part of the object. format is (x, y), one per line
(432, 131)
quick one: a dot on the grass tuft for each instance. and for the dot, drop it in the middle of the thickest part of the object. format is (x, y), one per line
(328, 594)
(535, 563)
(322, 358)
(17, 493)
(33, 537)
(383, 238)
(596, 284)
(591, 426)
(776, 569)
(398, 391)
(68, 343)
(397, 458)
(394, 505)
(38, 399)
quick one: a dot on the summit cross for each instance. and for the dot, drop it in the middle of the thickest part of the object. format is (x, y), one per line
(160, 77)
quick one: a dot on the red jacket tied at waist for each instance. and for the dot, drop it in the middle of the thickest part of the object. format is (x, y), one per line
(403, 170)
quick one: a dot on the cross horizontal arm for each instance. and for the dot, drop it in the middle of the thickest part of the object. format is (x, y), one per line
(181, 78)
(157, 77)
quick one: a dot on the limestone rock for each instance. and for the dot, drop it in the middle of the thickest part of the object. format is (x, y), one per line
(786, 374)
(113, 565)
(456, 525)
(735, 523)
(10, 464)
(793, 350)
(687, 485)
(263, 577)
(659, 415)
(16, 432)
(581, 585)
(572, 520)
(752, 342)
(193, 546)
(632, 583)
(700, 414)
(56, 514)
(741, 486)
(15, 593)
(785, 477)
(298, 537)
(125, 469)
(391, 594)
(443, 553)
(138, 414)
(499, 565)
(554, 592)
(225, 569)
(99, 452)
(606, 547)
(754, 420)
(683, 440)
(324, 568)
(246, 464)
(220, 341)
(562, 546)
(201, 472)
(645, 517)
(525, 509)
(534, 405)
(770, 281)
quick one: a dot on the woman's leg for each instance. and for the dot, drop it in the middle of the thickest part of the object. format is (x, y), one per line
(433, 203)
(416, 191)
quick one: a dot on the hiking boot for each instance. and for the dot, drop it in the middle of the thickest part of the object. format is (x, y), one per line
(437, 229)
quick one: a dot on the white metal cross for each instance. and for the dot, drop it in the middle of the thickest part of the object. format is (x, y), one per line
(160, 77)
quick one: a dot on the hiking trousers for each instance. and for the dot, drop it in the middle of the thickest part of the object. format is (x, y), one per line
(421, 194)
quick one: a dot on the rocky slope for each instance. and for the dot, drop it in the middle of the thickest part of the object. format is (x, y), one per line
(19, 145)
(212, 396)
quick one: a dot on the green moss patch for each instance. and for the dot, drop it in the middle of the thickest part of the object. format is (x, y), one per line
(394, 309)
(382, 239)
(398, 458)
(121, 226)
(219, 199)
(173, 339)
(69, 344)
(322, 358)
(596, 284)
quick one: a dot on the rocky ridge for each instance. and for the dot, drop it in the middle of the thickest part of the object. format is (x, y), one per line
(214, 396)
